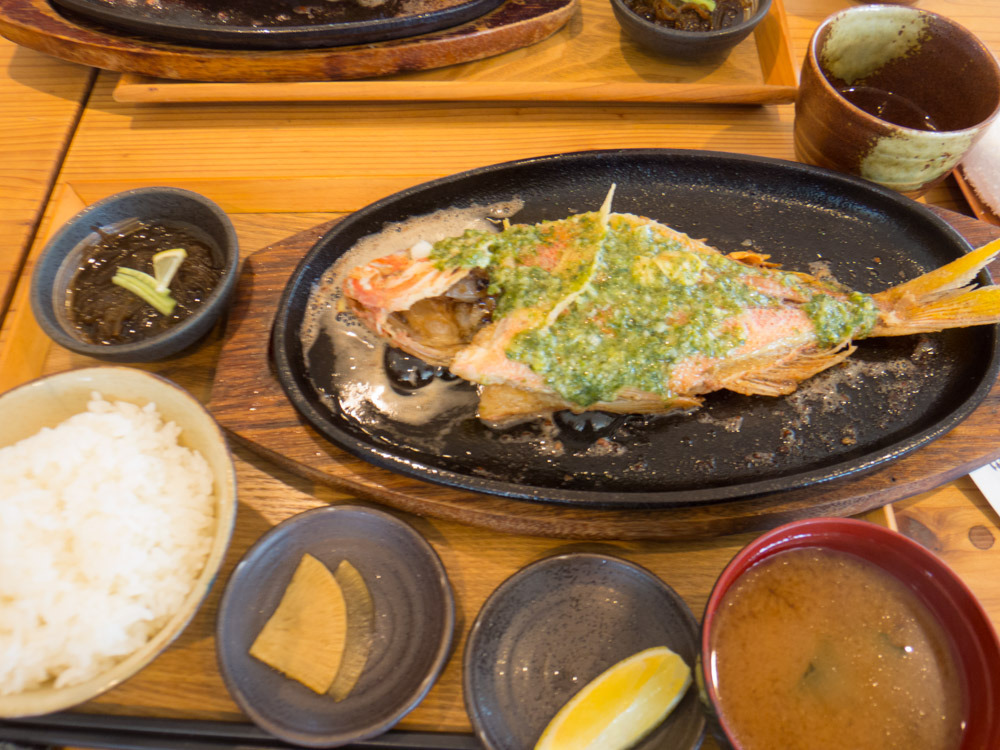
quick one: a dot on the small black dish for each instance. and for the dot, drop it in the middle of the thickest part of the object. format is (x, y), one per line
(695, 46)
(557, 624)
(61, 257)
(414, 624)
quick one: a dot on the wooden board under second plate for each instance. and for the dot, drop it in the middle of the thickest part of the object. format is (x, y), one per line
(515, 24)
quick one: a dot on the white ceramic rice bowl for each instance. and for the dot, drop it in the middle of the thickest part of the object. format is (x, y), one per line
(50, 400)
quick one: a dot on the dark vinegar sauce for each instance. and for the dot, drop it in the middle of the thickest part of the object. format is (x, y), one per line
(686, 16)
(104, 313)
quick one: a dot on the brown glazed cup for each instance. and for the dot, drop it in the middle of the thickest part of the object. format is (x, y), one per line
(924, 89)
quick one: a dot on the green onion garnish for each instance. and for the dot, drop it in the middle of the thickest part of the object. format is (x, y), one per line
(144, 286)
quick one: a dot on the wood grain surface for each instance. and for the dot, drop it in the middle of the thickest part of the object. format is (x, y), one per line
(516, 23)
(590, 60)
(40, 100)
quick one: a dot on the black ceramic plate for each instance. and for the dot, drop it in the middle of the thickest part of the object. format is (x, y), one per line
(554, 626)
(278, 24)
(892, 396)
(414, 615)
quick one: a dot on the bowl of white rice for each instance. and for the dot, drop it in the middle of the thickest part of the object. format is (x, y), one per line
(117, 504)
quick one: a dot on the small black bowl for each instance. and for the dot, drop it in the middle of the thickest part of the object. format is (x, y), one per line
(699, 46)
(414, 625)
(61, 257)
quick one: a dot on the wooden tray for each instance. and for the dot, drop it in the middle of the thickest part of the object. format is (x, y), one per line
(516, 23)
(590, 60)
(179, 700)
(249, 402)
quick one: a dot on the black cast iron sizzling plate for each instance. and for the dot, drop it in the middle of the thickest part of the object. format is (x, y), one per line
(892, 396)
(278, 24)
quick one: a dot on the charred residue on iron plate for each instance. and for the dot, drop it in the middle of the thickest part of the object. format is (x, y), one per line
(104, 313)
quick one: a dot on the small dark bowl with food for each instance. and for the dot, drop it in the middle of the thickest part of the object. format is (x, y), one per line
(138, 276)
(833, 633)
(697, 30)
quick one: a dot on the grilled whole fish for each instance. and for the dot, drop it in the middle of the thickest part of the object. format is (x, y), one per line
(620, 313)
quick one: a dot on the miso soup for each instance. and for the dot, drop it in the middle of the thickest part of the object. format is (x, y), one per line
(819, 650)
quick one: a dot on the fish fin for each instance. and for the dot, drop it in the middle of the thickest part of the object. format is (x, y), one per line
(400, 334)
(751, 258)
(635, 401)
(784, 377)
(505, 405)
(944, 298)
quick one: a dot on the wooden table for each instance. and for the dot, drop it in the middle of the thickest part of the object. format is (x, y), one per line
(281, 168)
(40, 100)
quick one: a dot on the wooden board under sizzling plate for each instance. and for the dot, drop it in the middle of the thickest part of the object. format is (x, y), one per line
(249, 402)
(515, 24)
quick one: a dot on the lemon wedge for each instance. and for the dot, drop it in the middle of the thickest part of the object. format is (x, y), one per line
(165, 265)
(621, 705)
(305, 636)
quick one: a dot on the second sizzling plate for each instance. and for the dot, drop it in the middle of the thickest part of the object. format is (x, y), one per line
(892, 396)
(279, 24)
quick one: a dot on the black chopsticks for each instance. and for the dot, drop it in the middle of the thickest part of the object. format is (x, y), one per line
(143, 733)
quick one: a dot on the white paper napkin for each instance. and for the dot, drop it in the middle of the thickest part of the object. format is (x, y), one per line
(987, 479)
(981, 167)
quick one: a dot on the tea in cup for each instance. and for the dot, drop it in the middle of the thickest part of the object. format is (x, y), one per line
(894, 94)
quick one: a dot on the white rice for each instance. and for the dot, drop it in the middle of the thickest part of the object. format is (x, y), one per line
(105, 523)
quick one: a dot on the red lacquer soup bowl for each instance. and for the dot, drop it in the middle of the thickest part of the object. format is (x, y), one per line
(845, 544)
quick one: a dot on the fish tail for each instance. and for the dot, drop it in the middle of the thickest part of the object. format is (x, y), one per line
(944, 298)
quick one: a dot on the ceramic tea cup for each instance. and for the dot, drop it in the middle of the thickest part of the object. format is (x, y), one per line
(894, 94)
